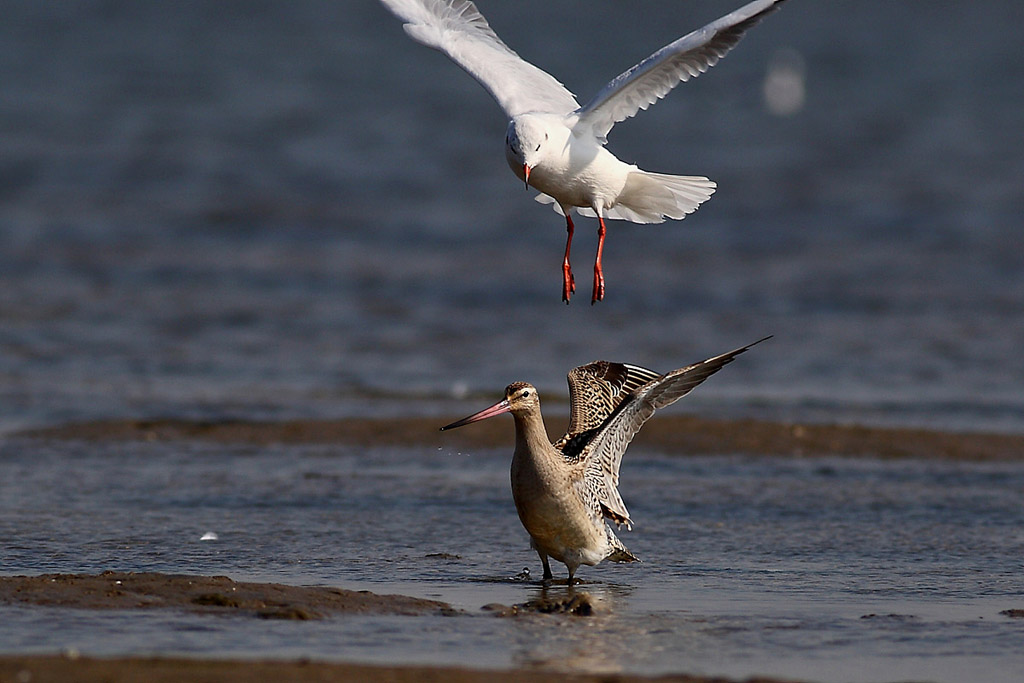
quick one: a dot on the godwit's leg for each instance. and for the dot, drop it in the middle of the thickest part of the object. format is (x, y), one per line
(568, 282)
(598, 274)
(547, 568)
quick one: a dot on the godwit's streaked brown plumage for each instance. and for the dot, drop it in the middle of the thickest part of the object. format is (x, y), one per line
(563, 491)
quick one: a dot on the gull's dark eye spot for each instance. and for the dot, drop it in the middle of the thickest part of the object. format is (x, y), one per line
(538, 149)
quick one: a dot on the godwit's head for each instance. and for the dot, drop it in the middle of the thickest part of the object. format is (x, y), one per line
(520, 398)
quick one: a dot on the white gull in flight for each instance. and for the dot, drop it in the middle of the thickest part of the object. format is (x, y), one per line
(556, 145)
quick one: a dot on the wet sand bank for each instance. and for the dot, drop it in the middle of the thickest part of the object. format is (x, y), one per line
(682, 434)
(46, 668)
(204, 594)
(221, 595)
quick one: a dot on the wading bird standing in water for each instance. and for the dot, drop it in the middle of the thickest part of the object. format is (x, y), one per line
(557, 146)
(565, 490)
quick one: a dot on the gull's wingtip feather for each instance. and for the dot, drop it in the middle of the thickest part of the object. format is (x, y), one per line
(645, 83)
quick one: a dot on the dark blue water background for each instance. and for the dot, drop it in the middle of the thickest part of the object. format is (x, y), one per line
(258, 209)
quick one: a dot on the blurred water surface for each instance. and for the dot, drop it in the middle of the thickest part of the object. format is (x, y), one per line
(257, 209)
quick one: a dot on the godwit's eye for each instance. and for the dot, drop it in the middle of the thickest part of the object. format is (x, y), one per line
(526, 393)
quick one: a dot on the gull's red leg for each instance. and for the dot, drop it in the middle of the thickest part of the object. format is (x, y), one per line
(598, 274)
(568, 282)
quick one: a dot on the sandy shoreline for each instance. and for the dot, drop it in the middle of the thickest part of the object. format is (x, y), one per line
(205, 595)
(211, 595)
(682, 434)
(46, 668)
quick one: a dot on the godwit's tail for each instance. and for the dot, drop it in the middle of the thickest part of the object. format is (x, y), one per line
(618, 551)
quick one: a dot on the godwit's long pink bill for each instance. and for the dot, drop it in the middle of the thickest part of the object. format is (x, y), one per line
(557, 146)
(498, 408)
(565, 491)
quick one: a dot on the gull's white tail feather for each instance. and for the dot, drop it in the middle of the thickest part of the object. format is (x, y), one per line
(652, 197)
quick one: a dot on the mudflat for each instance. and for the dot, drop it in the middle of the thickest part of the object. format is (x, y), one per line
(208, 594)
(683, 434)
(44, 669)
(221, 595)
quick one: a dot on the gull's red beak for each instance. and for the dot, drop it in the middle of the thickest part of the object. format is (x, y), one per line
(497, 409)
(526, 175)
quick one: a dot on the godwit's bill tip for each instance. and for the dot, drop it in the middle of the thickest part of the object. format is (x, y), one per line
(497, 409)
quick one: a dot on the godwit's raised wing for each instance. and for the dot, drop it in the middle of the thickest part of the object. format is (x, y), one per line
(603, 450)
(595, 391)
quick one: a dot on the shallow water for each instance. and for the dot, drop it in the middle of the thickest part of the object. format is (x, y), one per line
(829, 569)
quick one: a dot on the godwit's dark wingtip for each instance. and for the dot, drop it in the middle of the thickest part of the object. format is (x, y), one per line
(748, 346)
(729, 356)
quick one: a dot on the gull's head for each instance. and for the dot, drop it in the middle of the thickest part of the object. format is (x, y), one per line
(525, 142)
(520, 398)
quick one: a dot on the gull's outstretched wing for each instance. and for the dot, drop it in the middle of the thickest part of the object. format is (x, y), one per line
(650, 80)
(603, 454)
(456, 28)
